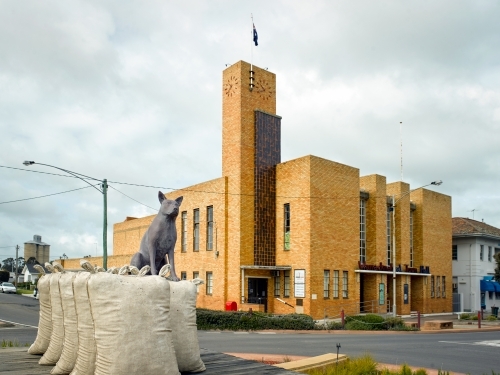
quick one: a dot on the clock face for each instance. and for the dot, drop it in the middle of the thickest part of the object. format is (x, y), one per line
(264, 89)
(231, 86)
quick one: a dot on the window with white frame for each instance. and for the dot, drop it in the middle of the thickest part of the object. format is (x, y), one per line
(196, 229)
(345, 286)
(184, 231)
(454, 252)
(481, 252)
(210, 228)
(210, 283)
(326, 284)
(335, 284)
(490, 253)
(362, 231)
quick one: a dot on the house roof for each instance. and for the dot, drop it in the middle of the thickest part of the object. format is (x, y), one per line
(32, 270)
(469, 227)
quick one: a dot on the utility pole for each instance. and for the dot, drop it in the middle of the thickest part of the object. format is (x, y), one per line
(105, 225)
(15, 273)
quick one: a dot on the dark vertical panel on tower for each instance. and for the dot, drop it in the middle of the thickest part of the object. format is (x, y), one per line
(267, 155)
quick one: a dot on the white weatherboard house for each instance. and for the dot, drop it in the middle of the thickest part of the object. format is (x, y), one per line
(475, 244)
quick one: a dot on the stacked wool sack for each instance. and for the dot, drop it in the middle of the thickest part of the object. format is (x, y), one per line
(124, 324)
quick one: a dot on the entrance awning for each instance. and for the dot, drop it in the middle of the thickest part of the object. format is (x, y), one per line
(270, 268)
(391, 273)
(489, 286)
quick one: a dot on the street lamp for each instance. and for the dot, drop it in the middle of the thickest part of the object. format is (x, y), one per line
(437, 183)
(103, 190)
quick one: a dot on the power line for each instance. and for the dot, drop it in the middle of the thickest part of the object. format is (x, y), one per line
(187, 189)
(43, 196)
(154, 209)
(29, 170)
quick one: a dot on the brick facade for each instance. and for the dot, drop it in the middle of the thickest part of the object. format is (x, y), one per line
(249, 254)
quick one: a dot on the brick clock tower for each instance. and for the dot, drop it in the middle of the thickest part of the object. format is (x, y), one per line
(251, 148)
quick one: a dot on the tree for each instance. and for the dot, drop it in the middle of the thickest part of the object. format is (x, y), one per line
(8, 264)
(20, 264)
(497, 269)
(32, 260)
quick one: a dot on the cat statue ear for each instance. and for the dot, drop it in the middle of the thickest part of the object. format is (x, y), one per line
(161, 197)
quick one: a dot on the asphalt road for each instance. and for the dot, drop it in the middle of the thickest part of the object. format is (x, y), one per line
(476, 353)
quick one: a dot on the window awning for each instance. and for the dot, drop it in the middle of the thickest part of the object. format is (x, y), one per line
(489, 286)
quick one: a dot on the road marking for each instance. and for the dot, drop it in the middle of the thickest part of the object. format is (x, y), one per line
(266, 333)
(484, 343)
(18, 324)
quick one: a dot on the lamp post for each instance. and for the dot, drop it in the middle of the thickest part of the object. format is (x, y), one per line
(103, 190)
(437, 183)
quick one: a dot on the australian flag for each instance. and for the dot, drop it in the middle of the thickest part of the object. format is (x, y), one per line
(255, 36)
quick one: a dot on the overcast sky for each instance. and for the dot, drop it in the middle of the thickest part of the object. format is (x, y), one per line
(131, 91)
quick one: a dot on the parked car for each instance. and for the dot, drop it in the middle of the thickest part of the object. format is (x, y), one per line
(8, 288)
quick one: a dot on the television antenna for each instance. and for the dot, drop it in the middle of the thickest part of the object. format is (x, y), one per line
(473, 210)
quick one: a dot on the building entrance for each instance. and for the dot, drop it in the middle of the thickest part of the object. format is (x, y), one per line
(257, 291)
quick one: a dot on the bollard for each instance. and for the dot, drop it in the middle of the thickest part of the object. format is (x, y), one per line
(479, 319)
(342, 316)
(418, 319)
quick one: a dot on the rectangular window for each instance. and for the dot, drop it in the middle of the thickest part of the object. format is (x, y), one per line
(344, 284)
(432, 286)
(196, 275)
(454, 284)
(183, 275)
(335, 284)
(362, 231)
(184, 231)
(490, 253)
(210, 228)
(481, 252)
(454, 252)
(286, 226)
(438, 286)
(411, 238)
(443, 280)
(210, 283)
(286, 292)
(196, 230)
(326, 284)
(388, 226)
(277, 285)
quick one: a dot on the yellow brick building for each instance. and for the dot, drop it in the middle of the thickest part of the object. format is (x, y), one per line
(308, 235)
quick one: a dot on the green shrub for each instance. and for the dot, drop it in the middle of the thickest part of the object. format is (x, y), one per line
(236, 320)
(394, 323)
(491, 318)
(465, 316)
(368, 322)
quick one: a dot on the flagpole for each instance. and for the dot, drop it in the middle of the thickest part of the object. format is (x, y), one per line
(251, 55)
(251, 45)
